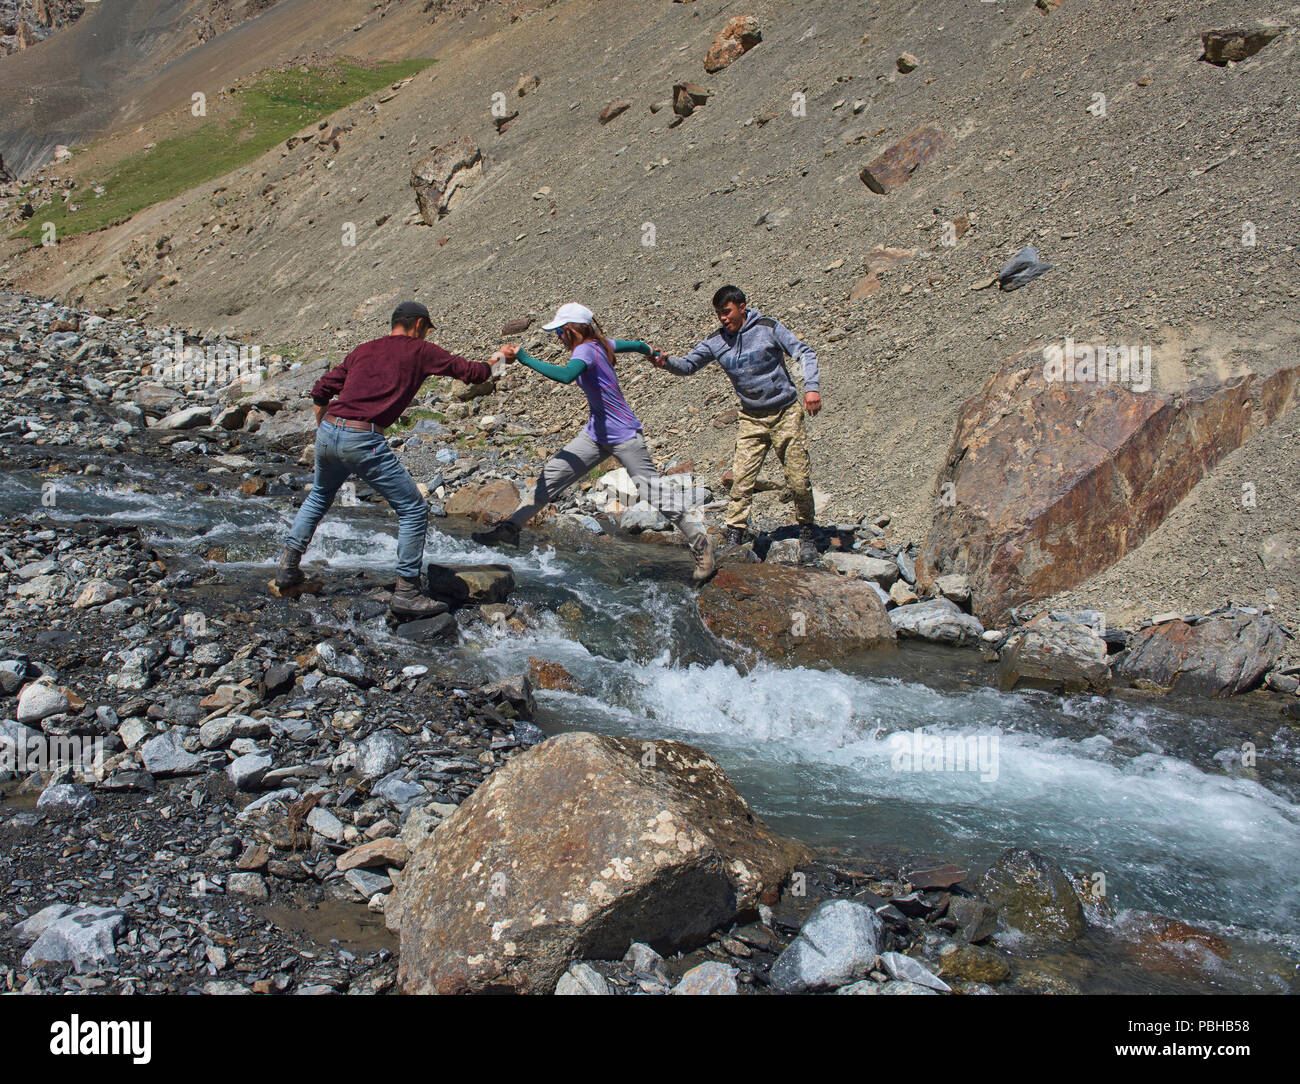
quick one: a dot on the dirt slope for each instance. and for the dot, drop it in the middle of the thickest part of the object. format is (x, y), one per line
(1141, 211)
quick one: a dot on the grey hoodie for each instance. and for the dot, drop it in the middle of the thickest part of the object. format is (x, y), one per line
(754, 359)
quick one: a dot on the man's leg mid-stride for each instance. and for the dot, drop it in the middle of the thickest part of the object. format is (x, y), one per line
(752, 441)
(790, 442)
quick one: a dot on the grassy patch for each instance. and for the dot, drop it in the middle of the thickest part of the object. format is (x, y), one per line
(272, 108)
(408, 420)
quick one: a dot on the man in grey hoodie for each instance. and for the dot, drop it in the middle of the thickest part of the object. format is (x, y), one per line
(751, 349)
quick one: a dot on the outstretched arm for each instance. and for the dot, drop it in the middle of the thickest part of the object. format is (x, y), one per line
(631, 346)
(693, 362)
(564, 374)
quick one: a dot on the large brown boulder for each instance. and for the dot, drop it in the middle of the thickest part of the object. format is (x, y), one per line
(440, 178)
(574, 850)
(487, 503)
(1047, 482)
(793, 615)
(1218, 657)
(734, 40)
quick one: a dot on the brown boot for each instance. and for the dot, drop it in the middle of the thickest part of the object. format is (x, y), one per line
(702, 555)
(410, 602)
(289, 574)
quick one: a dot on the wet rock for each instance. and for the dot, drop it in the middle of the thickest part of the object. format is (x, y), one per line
(788, 614)
(577, 847)
(974, 963)
(905, 969)
(642, 516)
(941, 876)
(339, 663)
(1033, 895)
(1219, 657)
(1060, 656)
(582, 979)
(440, 179)
(735, 39)
(710, 977)
(85, 937)
(838, 944)
(189, 418)
(938, 620)
(488, 503)
(551, 675)
(513, 696)
(477, 585)
(974, 920)
(434, 629)
(1107, 462)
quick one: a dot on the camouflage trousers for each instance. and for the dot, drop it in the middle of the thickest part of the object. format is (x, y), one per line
(782, 431)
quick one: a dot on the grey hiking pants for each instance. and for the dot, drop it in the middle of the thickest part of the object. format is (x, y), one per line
(577, 458)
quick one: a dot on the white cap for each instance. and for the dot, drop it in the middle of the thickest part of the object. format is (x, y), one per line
(572, 313)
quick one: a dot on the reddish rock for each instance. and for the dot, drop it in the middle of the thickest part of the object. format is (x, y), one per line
(614, 109)
(1219, 657)
(379, 852)
(574, 850)
(734, 40)
(551, 675)
(686, 96)
(793, 615)
(880, 258)
(899, 162)
(1046, 483)
(486, 503)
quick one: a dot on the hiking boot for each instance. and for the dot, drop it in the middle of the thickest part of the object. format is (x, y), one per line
(409, 601)
(505, 531)
(702, 555)
(808, 554)
(289, 574)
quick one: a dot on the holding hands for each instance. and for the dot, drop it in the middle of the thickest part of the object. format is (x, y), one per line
(658, 359)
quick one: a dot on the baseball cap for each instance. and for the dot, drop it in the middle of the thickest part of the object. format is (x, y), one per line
(410, 310)
(571, 313)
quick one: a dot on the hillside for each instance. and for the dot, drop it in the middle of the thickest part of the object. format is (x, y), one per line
(1141, 211)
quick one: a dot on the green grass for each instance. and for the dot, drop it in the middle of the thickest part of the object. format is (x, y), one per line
(272, 108)
(408, 420)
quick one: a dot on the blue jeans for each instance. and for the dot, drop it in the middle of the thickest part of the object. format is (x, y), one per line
(341, 453)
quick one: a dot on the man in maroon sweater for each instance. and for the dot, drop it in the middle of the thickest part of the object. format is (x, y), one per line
(369, 391)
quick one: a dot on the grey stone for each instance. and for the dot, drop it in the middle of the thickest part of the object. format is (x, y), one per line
(251, 885)
(39, 701)
(837, 944)
(84, 938)
(164, 756)
(938, 620)
(247, 772)
(398, 791)
(380, 753)
(711, 977)
(323, 821)
(906, 969)
(32, 928)
(368, 882)
(65, 799)
(582, 979)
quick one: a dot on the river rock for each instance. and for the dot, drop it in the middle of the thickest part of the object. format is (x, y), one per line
(793, 615)
(1057, 655)
(488, 503)
(574, 849)
(188, 418)
(938, 620)
(290, 431)
(85, 938)
(1033, 895)
(164, 755)
(975, 920)
(544, 674)
(248, 771)
(838, 944)
(1219, 657)
(710, 977)
(476, 585)
(39, 701)
(863, 567)
(906, 969)
(1052, 480)
(65, 800)
(378, 853)
(380, 753)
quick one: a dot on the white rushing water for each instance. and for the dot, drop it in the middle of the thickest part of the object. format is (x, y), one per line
(1105, 786)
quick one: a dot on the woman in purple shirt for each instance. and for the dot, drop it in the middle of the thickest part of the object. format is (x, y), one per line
(613, 429)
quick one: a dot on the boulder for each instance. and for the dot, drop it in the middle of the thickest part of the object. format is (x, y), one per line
(686, 96)
(1058, 655)
(938, 620)
(1033, 895)
(709, 978)
(441, 178)
(793, 615)
(575, 849)
(1219, 657)
(477, 585)
(289, 431)
(863, 567)
(734, 40)
(897, 164)
(581, 979)
(1049, 481)
(85, 937)
(188, 418)
(488, 503)
(544, 674)
(838, 944)
(39, 701)
(1237, 43)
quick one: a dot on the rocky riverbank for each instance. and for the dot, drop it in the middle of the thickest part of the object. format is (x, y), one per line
(263, 772)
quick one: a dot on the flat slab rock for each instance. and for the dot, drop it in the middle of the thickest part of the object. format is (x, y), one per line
(1057, 655)
(574, 850)
(1219, 657)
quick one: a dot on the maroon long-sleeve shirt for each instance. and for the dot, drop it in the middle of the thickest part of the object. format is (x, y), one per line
(378, 380)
